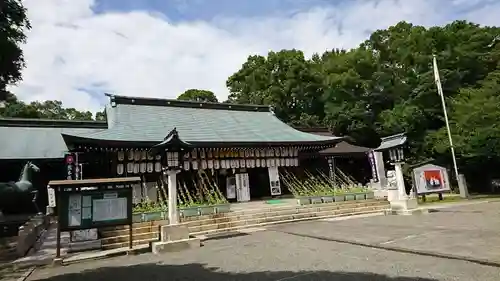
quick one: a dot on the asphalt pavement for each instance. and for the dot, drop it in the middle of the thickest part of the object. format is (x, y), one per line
(300, 252)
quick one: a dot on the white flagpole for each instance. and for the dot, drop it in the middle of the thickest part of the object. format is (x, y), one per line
(440, 92)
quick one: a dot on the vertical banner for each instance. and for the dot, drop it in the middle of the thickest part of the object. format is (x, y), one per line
(69, 159)
(274, 181)
(371, 159)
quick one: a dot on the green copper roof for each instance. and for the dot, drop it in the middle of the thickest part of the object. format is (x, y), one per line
(38, 139)
(150, 120)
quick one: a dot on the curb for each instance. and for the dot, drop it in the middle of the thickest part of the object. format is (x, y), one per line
(400, 250)
(26, 274)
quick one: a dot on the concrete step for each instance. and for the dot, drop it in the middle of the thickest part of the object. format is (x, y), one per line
(215, 228)
(285, 219)
(238, 216)
(263, 209)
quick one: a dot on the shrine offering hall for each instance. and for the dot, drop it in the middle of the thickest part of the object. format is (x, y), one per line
(243, 148)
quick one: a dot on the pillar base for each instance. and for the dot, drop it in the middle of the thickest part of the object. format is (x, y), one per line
(173, 232)
(392, 194)
(174, 238)
(404, 204)
(175, 246)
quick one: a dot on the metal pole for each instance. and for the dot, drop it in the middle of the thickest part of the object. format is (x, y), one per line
(440, 92)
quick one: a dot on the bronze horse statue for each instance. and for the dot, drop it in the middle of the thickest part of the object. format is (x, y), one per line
(8, 190)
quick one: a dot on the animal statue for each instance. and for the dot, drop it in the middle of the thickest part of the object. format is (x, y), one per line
(8, 190)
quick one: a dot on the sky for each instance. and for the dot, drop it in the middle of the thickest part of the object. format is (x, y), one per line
(77, 50)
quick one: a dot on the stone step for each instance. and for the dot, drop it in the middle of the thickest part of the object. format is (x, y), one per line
(122, 240)
(284, 219)
(229, 217)
(240, 211)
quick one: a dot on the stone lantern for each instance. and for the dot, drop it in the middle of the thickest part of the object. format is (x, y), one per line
(172, 149)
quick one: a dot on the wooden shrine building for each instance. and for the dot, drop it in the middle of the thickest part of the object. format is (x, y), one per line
(227, 139)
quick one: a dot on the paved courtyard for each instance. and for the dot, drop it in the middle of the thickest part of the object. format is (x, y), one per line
(305, 251)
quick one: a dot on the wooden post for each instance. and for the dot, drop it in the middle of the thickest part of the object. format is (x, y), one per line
(130, 236)
(58, 229)
(58, 241)
(440, 195)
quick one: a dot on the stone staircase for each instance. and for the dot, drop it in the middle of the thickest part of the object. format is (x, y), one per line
(206, 226)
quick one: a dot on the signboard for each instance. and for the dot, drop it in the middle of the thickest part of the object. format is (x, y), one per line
(371, 159)
(87, 204)
(73, 167)
(89, 209)
(431, 179)
(90, 204)
(274, 181)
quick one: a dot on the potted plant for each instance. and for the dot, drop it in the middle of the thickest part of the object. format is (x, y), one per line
(189, 210)
(359, 192)
(339, 195)
(328, 198)
(369, 194)
(149, 211)
(303, 200)
(348, 194)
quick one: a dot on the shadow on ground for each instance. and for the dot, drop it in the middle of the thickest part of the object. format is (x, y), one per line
(150, 272)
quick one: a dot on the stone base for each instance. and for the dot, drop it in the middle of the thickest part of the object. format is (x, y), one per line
(57, 262)
(173, 232)
(380, 193)
(392, 195)
(407, 212)
(175, 246)
(404, 204)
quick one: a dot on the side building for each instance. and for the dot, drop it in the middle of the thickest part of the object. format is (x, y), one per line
(42, 143)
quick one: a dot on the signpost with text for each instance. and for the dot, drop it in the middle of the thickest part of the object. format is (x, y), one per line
(93, 203)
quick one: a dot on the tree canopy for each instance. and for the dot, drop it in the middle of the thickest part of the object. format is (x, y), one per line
(13, 24)
(386, 86)
(198, 95)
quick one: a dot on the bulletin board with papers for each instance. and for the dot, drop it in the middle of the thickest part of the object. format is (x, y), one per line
(86, 204)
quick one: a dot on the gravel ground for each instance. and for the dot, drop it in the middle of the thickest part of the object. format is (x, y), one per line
(270, 255)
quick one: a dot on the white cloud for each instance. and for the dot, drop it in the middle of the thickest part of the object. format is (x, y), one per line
(71, 49)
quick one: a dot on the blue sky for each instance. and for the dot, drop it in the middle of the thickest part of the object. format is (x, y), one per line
(79, 49)
(189, 10)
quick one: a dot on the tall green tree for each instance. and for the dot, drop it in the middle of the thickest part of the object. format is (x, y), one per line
(50, 109)
(198, 95)
(13, 24)
(286, 80)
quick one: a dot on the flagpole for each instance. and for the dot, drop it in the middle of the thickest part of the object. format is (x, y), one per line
(440, 92)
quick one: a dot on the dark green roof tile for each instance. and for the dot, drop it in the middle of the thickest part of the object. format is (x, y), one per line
(34, 142)
(132, 121)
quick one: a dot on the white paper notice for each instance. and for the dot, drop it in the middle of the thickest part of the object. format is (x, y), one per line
(75, 217)
(109, 209)
(75, 210)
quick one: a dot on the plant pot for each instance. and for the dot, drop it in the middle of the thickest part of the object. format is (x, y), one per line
(222, 208)
(369, 195)
(339, 198)
(316, 200)
(189, 212)
(206, 210)
(137, 217)
(359, 196)
(303, 201)
(349, 197)
(327, 199)
(152, 216)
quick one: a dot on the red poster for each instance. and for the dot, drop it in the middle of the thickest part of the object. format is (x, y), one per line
(433, 179)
